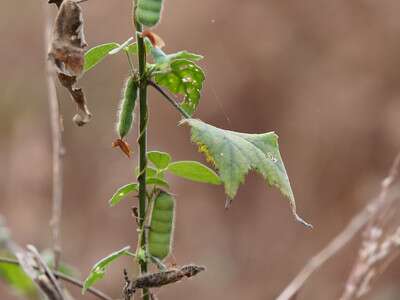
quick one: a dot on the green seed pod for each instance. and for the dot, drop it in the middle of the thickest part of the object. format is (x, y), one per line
(162, 226)
(148, 12)
(125, 116)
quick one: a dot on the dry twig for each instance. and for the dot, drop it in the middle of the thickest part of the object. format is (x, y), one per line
(162, 278)
(65, 278)
(381, 240)
(355, 225)
(57, 145)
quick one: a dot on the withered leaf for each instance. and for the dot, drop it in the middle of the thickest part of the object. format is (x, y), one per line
(83, 116)
(160, 279)
(67, 53)
(68, 40)
(56, 2)
(124, 146)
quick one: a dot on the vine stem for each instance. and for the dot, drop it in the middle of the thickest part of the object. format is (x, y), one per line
(142, 140)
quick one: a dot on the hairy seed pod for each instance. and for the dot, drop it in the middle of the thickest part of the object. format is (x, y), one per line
(125, 116)
(162, 226)
(148, 12)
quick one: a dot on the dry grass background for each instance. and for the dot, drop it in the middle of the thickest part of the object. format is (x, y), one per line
(322, 74)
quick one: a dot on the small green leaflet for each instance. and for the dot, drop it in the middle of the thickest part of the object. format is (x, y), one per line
(235, 154)
(157, 181)
(99, 269)
(194, 171)
(122, 192)
(96, 54)
(190, 170)
(185, 78)
(160, 160)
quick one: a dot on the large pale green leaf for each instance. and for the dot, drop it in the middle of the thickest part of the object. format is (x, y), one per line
(122, 192)
(99, 269)
(96, 54)
(195, 171)
(185, 78)
(234, 154)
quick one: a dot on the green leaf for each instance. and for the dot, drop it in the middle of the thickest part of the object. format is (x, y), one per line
(157, 181)
(235, 154)
(159, 159)
(16, 278)
(185, 78)
(122, 192)
(99, 269)
(194, 171)
(97, 54)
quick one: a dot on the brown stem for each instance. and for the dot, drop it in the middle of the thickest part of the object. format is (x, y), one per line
(341, 240)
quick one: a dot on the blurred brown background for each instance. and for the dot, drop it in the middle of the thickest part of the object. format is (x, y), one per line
(322, 74)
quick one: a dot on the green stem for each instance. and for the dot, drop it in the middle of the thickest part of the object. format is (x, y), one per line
(142, 140)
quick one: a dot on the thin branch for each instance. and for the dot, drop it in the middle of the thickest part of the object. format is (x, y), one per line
(45, 268)
(169, 99)
(355, 225)
(57, 148)
(65, 278)
(381, 241)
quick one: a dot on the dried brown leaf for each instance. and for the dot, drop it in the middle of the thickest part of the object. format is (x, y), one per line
(124, 146)
(166, 277)
(67, 52)
(83, 116)
(68, 41)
